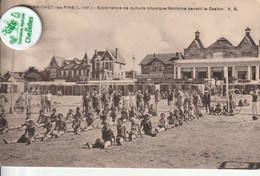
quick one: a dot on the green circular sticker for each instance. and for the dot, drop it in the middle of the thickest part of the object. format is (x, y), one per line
(20, 27)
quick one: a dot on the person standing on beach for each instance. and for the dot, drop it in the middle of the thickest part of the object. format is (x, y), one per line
(157, 99)
(254, 103)
(206, 101)
(147, 98)
(48, 101)
(3, 102)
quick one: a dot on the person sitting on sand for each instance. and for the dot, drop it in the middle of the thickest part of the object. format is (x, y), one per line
(135, 129)
(124, 114)
(245, 103)
(113, 114)
(53, 116)
(133, 113)
(218, 109)
(162, 125)
(76, 124)
(28, 136)
(152, 110)
(171, 120)
(61, 127)
(121, 132)
(78, 113)
(224, 111)
(49, 130)
(70, 115)
(89, 121)
(108, 138)
(42, 118)
(146, 125)
(192, 111)
(3, 124)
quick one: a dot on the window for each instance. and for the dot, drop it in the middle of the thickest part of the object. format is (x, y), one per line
(162, 68)
(194, 56)
(242, 74)
(120, 66)
(246, 54)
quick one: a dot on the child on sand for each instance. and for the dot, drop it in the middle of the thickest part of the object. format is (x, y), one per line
(121, 132)
(28, 136)
(133, 113)
(78, 113)
(53, 116)
(162, 126)
(135, 129)
(70, 115)
(3, 124)
(61, 127)
(171, 120)
(113, 114)
(108, 138)
(76, 124)
(146, 125)
(124, 114)
(49, 130)
(42, 118)
(89, 121)
(152, 110)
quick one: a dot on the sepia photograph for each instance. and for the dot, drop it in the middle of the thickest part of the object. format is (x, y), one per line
(131, 84)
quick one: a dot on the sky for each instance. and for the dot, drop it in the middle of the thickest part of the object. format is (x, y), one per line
(71, 33)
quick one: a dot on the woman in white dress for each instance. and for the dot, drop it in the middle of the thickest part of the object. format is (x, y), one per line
(126, 101)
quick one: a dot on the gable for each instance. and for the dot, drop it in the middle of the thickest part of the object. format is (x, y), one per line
(53, 64)
(247, 41)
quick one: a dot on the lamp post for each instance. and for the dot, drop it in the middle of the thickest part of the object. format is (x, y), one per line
(133, 58)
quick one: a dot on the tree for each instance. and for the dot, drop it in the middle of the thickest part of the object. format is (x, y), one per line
(45, 75)
(32, 74)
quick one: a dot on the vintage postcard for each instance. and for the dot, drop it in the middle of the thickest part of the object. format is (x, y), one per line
(132, 84)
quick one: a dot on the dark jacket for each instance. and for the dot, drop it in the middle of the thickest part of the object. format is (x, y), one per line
(206, 98)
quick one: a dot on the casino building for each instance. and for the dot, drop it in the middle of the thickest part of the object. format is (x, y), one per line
(219, 60)
(199, 63)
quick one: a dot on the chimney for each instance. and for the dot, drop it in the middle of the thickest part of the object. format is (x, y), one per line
(116, 53)
(177, 54)
(197, 35)
(247, 30)
(154, 55)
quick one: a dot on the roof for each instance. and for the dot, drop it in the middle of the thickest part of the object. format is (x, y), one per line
(249, 39)
(119, 58)
(59, 60)
(166, 58)
(112, 53)
(85, 60)
(223, 41)
(16, 75)
(197, 42)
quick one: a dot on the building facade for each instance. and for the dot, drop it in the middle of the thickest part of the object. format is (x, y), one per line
(159, 64)
(108, 65)
(219, 60)
(71, 70)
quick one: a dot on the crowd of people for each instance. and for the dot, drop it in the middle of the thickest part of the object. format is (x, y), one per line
(112, 108)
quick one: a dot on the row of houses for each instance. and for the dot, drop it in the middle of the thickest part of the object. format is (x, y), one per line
(104, 65)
